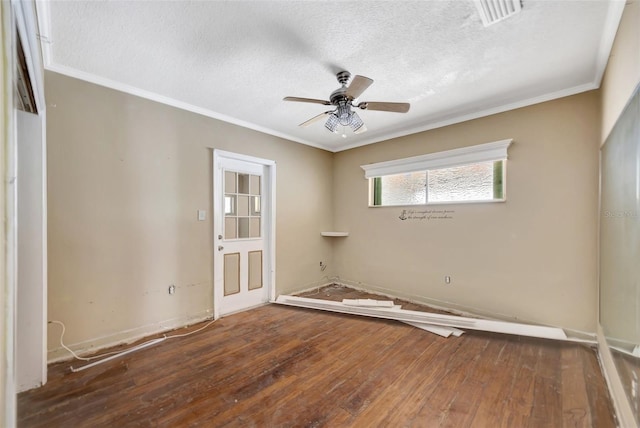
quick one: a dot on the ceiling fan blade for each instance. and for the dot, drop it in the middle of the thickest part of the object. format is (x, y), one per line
(315, 118)
(384, 106)
(358, 85)
(307, 100)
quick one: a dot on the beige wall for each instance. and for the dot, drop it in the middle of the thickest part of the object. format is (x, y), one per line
(531, 258)
(126, 177)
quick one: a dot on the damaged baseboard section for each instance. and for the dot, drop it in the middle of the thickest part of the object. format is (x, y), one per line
(426, 320)
(436, 329)
(371, 303)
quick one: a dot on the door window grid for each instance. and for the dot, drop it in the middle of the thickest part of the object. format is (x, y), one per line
(242, 206)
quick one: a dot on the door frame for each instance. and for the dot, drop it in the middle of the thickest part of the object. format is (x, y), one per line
(269, 226)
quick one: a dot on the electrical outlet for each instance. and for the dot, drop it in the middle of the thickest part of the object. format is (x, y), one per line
(172, 289)
(447, 279)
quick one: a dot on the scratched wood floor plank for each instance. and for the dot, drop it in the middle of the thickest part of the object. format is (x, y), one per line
(454, 401)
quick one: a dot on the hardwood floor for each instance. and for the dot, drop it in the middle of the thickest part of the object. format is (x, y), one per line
(278, 366)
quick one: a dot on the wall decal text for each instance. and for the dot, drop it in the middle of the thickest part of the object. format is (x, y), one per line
(426, 215)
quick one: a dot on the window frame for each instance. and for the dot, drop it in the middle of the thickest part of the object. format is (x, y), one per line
(488, 152)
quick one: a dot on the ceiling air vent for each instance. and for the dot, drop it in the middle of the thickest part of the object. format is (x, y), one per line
(492, 11)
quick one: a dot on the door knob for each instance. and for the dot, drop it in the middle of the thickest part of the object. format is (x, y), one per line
(220, 248)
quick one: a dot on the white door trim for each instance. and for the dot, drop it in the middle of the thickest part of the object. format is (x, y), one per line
(269, 226)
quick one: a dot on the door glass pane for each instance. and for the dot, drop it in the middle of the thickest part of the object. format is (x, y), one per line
(255, 185)
(230, 182)
(254, 231)
(231, 273)
(229, 204)
(243, 228)
(243, 183)
(243, 206)
(255, 205)
(230, 228)
(255, 270)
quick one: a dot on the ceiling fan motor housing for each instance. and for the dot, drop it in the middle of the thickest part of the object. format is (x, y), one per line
(339, 97)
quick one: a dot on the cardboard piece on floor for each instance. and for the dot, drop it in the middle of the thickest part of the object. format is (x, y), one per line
(427, 318)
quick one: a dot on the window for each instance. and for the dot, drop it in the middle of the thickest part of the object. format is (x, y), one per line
(470, 174)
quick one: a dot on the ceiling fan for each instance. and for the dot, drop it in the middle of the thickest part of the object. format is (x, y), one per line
(342, 98)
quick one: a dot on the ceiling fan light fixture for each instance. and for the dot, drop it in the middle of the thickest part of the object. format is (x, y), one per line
(332, 122)
(356, 122)
(344, 114)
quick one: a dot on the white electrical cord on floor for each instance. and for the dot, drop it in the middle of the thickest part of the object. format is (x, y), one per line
(111, 355)
(128, 351)
(76, 356)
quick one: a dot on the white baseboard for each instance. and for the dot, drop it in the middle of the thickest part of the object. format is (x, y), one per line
(452, 308)
(455, 321)
(91, 346)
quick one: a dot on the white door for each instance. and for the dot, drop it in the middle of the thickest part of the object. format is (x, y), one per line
(243, 232)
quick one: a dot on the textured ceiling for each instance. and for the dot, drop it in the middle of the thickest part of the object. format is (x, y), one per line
(236, 60)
